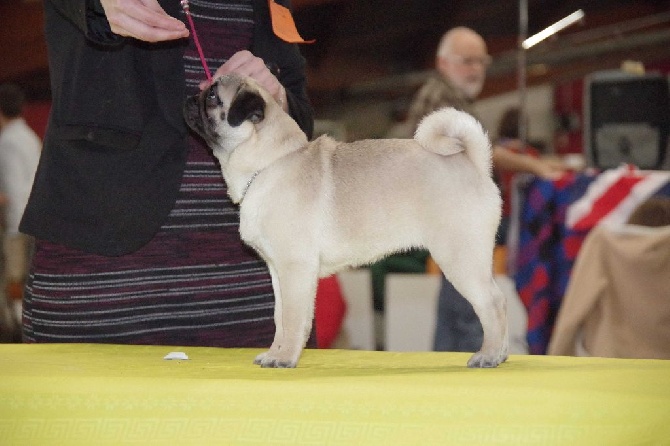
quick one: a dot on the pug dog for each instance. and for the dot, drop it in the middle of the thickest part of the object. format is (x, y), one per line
(313, 208)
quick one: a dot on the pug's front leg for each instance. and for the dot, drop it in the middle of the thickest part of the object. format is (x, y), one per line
(295, 290)
(279, 328)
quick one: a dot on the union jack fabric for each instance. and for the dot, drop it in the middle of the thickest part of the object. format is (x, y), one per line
(614, 195)
(554, 218)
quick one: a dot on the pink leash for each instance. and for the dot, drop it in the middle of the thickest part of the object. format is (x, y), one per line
(187, 11)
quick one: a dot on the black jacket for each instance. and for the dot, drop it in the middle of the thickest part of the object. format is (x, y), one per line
(115, 147)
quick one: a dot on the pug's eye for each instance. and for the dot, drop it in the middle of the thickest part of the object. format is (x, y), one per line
(212, 99)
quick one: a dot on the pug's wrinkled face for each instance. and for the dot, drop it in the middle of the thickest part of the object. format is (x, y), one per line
(225, 113)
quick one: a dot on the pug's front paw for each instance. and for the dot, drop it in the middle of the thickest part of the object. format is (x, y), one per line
(481, 360)
(271, 360)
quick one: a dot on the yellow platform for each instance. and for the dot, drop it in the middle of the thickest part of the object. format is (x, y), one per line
(65, 394)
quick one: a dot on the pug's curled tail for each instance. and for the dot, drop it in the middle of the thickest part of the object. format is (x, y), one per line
(449, 131)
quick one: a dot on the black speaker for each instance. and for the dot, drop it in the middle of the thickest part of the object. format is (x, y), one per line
(627, 120)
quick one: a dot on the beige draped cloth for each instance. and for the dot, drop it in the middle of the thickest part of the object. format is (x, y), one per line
(618, 300)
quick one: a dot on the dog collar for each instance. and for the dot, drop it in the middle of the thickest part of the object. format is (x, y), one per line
(246, 188)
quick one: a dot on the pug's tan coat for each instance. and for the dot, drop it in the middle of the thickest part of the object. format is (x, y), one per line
(312, 208)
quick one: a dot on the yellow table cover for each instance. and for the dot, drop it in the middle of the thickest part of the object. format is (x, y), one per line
(82, 394)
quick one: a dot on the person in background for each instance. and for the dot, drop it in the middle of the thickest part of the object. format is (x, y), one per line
(460, 72)
(136, 239)
(19, 155)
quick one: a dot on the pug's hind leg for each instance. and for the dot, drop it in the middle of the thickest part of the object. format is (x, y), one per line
(472, 276)
(294, 311)
(495, 346)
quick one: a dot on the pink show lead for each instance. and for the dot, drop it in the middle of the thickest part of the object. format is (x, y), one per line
(187, 11)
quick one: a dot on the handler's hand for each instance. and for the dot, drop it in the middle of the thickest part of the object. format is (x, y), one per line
(143, 20)
(245, 63)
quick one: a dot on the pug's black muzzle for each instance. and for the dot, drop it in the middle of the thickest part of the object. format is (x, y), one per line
(197, 118)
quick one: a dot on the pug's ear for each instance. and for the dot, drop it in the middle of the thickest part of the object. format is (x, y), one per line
(247, 106)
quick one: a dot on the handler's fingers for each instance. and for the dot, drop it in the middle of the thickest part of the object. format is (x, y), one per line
(140, 31)
(233, 64)
(143, 20)
(245, 63)
(236, 62)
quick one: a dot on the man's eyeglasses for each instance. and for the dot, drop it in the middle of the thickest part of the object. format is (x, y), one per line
(469, 61)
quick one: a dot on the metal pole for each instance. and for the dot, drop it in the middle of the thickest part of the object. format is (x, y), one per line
(521, 70)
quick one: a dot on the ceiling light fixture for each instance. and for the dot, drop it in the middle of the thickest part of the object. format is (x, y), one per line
(553, 29)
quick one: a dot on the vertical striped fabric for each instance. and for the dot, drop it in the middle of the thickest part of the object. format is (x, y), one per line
(195, 283)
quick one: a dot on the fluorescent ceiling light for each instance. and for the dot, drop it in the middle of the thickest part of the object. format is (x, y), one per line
(553, 29)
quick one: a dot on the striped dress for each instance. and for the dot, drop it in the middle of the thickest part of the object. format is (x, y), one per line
(195, 283)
